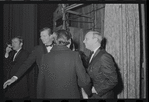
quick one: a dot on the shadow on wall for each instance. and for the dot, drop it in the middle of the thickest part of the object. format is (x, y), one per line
(120, 85)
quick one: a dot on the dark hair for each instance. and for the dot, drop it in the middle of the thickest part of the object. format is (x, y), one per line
(62, 37)
(72, 46)
(48, 29)
(103, 43)
(18, 37)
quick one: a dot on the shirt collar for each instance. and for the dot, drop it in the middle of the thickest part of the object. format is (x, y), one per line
(51, 45)
(96, 49)
(18, 50)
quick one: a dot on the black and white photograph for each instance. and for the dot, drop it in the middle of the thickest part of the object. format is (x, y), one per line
(84, 51)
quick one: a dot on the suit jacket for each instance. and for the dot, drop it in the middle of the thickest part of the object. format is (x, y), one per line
(62, 74)
(16, 90)
(35, 56)
(103, 74)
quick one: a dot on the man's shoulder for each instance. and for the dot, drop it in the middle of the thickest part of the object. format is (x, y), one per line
(73, 52)
(24, 51)
(38, 47)
(102, 53)
(106, 55)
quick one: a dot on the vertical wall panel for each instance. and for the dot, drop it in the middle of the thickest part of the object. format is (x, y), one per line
(123, 58)
(137, 50)
(91, 10)
(122, 32)
(144, 71)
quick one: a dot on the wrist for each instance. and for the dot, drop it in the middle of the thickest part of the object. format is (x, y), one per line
(15, 77)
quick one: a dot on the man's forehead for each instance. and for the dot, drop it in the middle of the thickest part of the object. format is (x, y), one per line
(89, 34)
(44, 33)
(15, 39)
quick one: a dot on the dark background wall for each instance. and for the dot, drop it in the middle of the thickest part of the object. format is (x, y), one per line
(45, 16)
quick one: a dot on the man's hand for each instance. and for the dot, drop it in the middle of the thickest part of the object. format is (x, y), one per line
(8, 48)
(9, 82)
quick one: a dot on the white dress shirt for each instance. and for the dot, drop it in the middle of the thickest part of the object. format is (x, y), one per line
(49, 48)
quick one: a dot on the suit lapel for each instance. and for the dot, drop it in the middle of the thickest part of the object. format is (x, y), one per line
(11, 55)
(97, 55)
(17, 55)
(44, 49)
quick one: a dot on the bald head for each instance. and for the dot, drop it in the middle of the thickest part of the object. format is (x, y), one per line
(97, 35)
(92, 40)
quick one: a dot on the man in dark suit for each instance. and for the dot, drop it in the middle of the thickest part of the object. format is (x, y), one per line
(35, 56)
(62, 71)
(14, 57)
(101, 68)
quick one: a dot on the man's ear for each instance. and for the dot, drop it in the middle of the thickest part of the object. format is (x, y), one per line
(95, 39)
(21, 44)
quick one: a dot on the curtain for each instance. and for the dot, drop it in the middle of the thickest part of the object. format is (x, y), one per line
(21, 20)
(122, 31)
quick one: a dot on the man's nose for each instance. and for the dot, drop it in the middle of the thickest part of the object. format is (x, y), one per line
(83, 41)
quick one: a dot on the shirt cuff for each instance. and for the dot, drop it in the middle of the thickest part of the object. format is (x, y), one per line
(94, 91)
(15, 77)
